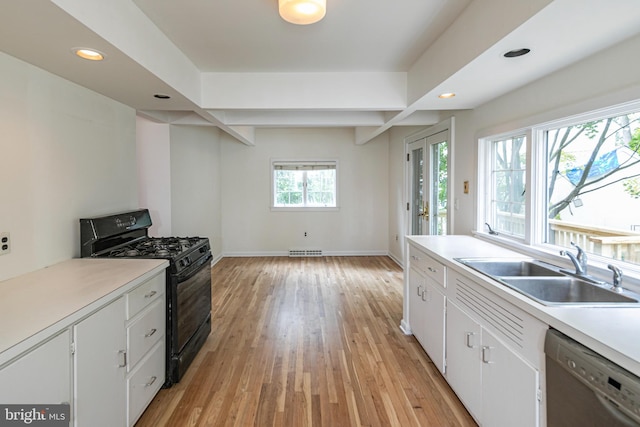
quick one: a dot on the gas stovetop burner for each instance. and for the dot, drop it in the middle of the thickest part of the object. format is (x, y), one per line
(159, 247)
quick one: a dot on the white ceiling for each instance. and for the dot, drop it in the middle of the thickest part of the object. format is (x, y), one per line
(369, 64)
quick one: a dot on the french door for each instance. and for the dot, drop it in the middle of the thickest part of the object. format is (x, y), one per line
(429, 183)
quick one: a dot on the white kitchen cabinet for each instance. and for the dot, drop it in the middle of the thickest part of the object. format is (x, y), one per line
(42, 375)
(510, 386)
(495, 382)
(463, 354)
(427, 305)
(146, 349)
(120, 357)
(100, 367)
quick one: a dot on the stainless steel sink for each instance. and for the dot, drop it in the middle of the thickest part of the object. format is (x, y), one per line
(499, 267)
(564, 290)
(548, 284)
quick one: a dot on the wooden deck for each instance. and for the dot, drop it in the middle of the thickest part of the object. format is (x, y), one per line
(308, 342)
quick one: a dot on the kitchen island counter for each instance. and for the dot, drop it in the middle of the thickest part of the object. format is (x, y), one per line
(614, 332)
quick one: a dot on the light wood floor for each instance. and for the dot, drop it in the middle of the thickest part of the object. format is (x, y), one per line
(308, 342)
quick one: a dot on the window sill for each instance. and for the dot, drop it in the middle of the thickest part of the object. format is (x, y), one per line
(303, 209)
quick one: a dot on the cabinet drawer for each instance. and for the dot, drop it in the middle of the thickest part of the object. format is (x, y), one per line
(145, 294)
(144, 382)
(427, 265)
(145, 331)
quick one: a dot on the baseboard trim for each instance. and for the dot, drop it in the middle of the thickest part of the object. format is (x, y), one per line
(405, 327)
(286, 253)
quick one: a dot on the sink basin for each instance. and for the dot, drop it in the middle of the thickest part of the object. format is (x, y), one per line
(548, 284)
(500, 267)
(564, 290)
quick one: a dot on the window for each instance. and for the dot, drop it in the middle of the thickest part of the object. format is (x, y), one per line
(584, 176)
(593, 195)
(507, 199)
(304, 184)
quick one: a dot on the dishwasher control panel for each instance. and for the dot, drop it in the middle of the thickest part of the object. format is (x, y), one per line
(610, 381)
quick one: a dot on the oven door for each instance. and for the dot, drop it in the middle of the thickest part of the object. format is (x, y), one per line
(190, 303)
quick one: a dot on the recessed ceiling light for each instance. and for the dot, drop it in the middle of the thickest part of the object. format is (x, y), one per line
(517, 52)
(446, 95)
(90, 54)
(161, 96)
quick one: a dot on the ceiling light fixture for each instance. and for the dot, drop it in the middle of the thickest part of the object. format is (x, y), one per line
(302, 12)
(89, 54)
(446, 95)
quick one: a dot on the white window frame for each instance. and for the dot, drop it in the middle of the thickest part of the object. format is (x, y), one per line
(536, 191)
(303, 163)
(487, 166)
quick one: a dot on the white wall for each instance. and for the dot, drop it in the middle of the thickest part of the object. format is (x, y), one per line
(604, 79)
(179, 179)
(359, 227)
(66, 153)
(196, 184)
(153, 147)
(607, 78)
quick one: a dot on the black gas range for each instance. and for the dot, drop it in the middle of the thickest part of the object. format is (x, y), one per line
(181, 251)
(125, 235)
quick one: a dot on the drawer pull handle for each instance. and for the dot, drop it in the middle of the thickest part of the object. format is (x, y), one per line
(150, 294)
(153, 380)
(486, 354)
(431, 269)
(151, 332)
(469, 343)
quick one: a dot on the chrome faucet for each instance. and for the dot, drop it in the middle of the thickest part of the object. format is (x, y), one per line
(579, 261)
(617, 278)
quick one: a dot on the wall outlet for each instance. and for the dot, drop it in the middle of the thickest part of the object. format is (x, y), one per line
(5, 244)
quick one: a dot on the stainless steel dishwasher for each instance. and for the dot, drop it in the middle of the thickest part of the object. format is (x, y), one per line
(586, 389)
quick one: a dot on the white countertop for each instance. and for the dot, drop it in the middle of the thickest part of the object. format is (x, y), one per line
(34, 305)
(614, 332)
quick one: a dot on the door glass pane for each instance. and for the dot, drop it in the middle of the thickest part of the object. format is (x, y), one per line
(440, 184)
(417, 157)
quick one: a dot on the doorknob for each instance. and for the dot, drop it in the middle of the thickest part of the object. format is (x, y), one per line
(424, 211)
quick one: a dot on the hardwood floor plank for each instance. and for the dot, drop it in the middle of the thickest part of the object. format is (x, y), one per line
(308, 342)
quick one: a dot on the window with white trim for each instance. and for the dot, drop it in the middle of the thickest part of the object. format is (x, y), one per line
(585, 187)
(304, 184)
(508, 178)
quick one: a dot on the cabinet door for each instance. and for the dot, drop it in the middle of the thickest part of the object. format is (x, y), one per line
(434, 325)
(41, 376)
(510, 386)
(417, 306)
(100, 367)
(463, 358)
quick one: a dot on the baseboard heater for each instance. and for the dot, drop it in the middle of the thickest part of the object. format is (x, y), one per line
(305, 252)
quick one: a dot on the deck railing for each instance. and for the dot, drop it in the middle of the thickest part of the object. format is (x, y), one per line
(608, 242)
